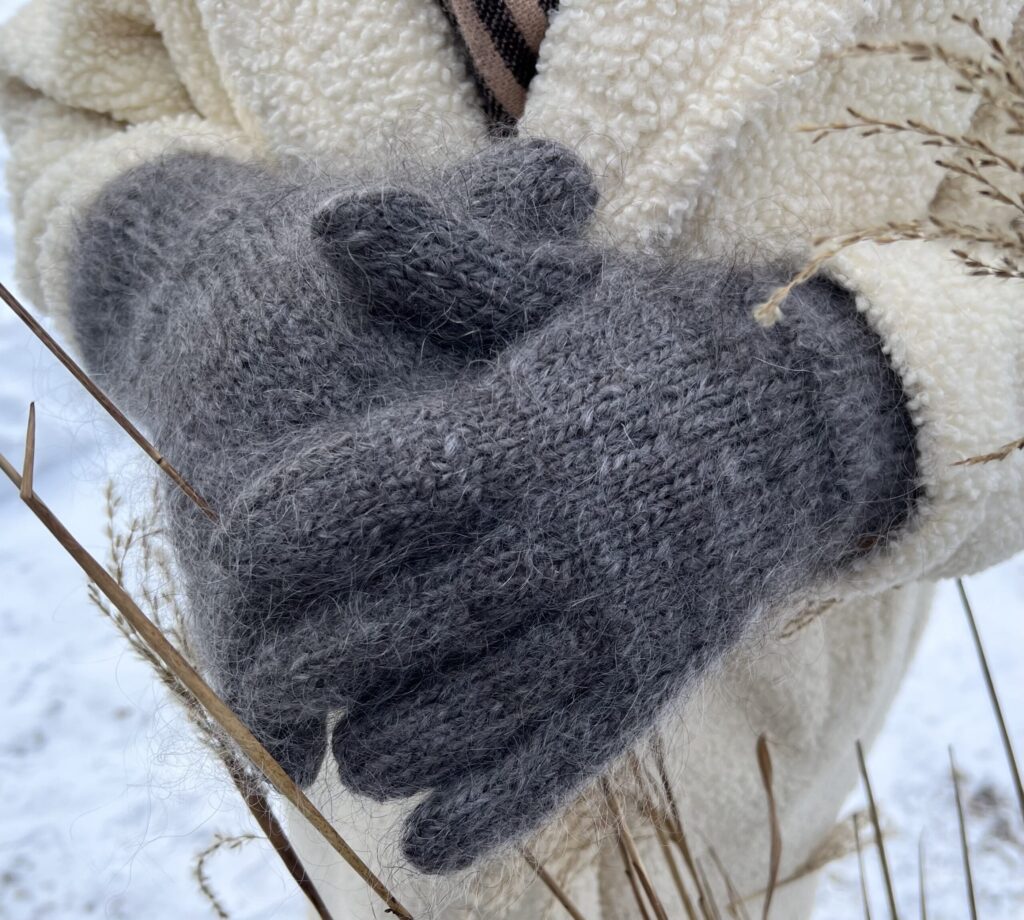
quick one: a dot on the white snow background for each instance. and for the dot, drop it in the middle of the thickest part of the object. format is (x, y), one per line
(106, 799)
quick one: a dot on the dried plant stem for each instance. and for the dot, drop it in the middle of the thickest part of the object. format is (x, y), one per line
(552, 885)
(673, 868)
(629, 847)
(631, 876)
(675, 828)
(764, 763)
(219, 843)
(105, 401)
(869, 126)
(860, 868)
(204, 696)
(735, 905)
(993, 696)
(890, 892)
(248, 786)
(662, 824)
(965, 850)
(715, 914)
(993, 174)
(140, 536)
(1000, 453)
(259, 806)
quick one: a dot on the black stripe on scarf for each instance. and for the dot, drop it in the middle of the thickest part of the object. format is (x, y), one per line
(509, 42)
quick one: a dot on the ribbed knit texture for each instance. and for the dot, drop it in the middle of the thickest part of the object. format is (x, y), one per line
(489, 492)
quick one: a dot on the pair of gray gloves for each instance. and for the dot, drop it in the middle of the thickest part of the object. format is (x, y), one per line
(490, 494)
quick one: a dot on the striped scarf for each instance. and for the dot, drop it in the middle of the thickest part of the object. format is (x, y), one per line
(501, 40)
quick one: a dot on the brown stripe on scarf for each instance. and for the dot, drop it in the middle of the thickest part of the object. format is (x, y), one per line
(501, 39)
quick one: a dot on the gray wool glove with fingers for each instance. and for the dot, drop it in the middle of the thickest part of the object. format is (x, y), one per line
(491, 494)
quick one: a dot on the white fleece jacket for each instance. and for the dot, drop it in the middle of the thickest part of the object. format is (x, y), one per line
(687, 110)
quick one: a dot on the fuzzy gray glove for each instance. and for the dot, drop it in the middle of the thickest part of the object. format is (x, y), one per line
(489, 492)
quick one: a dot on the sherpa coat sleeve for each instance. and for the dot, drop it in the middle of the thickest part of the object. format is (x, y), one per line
(700, 142)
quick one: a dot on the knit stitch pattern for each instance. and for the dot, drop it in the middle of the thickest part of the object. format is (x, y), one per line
(491, 494)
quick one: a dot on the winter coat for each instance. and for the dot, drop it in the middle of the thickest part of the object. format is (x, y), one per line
(688, 112)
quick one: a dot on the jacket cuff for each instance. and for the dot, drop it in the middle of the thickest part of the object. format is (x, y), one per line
(956, 341)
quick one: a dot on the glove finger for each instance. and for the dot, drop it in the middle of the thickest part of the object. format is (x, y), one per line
(526, 187)
(433, 732)
(375, 646)
(298, 746)
(454, 280)
(503, 800)
(487, 704)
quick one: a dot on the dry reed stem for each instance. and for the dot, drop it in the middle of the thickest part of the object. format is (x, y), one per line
(868, 126)
(258, 804)
(631, 876)
(993, 696)
(715, 914)
(628, 844)
(865, 900)
(673, 868)
(105, 401)
(735, 905)
(204, 696)
(219, 843)
(556, 890)
(675, 828)
(965, 850)
(1000, 453)
(249, 788)
(764, 763)
(998, 81)
(662, 823)
(890, 892)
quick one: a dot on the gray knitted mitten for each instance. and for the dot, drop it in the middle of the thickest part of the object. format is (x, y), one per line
(490, 494)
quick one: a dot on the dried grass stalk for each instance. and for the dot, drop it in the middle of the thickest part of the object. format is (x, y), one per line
(993, 696)
(735, 905)
(1000, 453)
(105, 401)
(150, 637)
(220, 842)
(890, 892)
(552, 885)
(764, 763)
(965, 850)
(677, 834)
(662, 823)
(992, 170)
(865, 899)
(632, 854)
(141, 536)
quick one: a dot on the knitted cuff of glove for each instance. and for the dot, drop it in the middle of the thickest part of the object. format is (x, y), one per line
(863, 407)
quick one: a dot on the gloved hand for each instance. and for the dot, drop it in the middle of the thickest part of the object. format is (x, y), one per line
(491, 493)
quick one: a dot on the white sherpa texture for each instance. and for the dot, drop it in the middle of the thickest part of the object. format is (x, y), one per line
(687, 110)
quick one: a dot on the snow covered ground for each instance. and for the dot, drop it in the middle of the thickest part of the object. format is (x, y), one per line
(106, 799)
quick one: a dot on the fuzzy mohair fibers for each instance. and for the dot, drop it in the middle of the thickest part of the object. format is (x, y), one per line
(491, 494)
